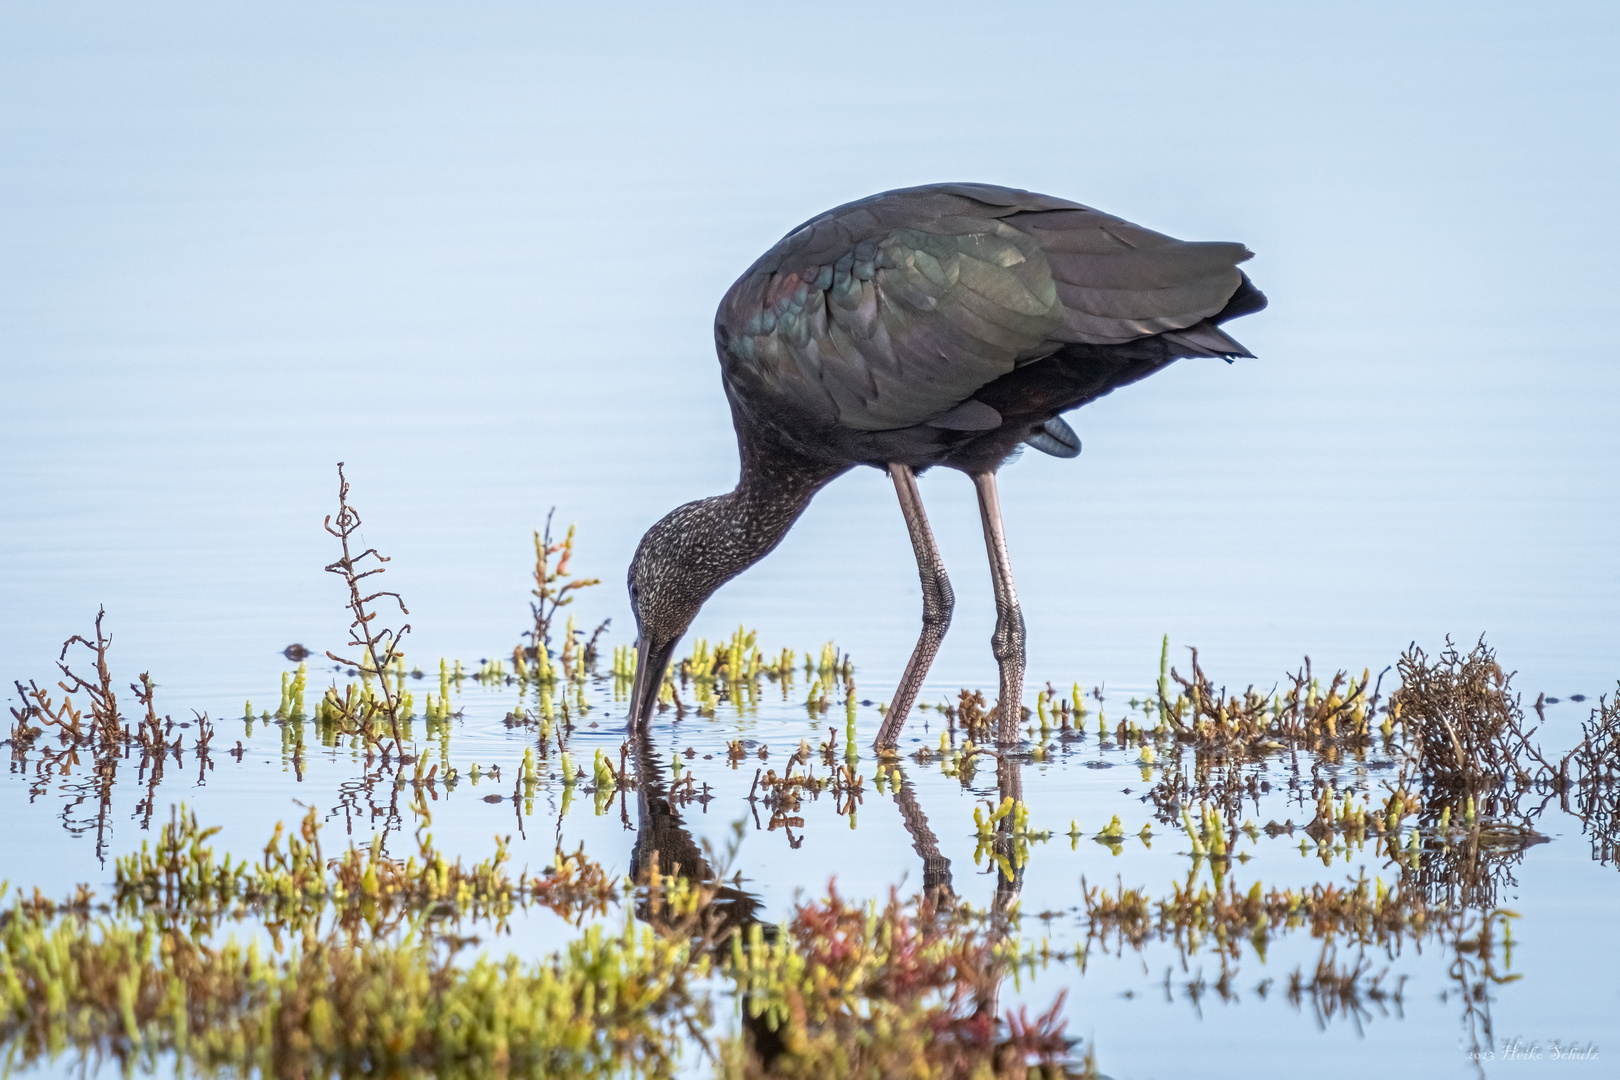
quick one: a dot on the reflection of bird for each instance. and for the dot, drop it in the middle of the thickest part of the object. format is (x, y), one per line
(662, 840)
(942, 325)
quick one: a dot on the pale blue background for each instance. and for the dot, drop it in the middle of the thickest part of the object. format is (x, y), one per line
(474, 250)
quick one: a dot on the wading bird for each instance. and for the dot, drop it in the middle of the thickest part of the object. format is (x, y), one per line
(939, 325)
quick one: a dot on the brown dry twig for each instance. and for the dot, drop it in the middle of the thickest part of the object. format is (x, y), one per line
(103, 701)
(381, 644)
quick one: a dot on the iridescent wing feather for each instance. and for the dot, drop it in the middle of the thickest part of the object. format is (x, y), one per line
(892, 311)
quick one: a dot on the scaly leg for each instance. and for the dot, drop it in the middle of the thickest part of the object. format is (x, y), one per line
(938, 600)
(1007, 643)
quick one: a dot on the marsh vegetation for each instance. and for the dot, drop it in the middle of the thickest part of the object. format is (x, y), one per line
(1324, 844)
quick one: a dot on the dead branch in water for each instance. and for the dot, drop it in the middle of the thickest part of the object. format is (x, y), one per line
(381, 644)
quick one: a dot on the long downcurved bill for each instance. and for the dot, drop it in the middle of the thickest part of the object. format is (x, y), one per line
(650, 666)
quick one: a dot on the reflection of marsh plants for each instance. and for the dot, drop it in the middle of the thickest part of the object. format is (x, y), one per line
(1195, 916)
(361, 974)
(1591, 772)
(133, 991)
(1005, 836)
(905, 989)
(1342, 991)
(295, 887)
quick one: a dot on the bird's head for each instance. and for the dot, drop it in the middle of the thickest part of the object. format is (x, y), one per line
(678, 565)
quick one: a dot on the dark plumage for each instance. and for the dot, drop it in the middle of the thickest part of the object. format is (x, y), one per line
(939, 325)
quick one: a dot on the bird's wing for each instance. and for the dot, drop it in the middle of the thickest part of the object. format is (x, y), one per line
(892, 311)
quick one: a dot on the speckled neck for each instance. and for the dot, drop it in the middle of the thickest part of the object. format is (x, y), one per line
(773, 489)
(698, 547)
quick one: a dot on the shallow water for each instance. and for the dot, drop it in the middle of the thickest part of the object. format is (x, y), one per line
(476, 256)
(1160, 1009)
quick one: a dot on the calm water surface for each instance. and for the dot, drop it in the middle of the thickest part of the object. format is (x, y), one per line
(476, 256)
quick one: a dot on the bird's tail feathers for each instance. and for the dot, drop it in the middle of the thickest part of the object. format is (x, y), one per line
(1245, 301)
(1204, 339)
(1057, 438)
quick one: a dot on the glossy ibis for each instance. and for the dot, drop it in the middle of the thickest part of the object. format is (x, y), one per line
(940, 325)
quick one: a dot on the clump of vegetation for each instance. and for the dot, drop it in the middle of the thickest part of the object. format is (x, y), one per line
(1468, 722)
(555, 587)
(1596, 757)
(1004, 835)
(361, 973)
(735, 670)
(975, 714)
(1305, 713)
(107, 739)
(784, 795)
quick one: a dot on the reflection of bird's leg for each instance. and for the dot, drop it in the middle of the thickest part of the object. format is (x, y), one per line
(936, 867)
(1010, 785)
(1010, 779)
(1009, 887)
(1007, 643)
(937, 603)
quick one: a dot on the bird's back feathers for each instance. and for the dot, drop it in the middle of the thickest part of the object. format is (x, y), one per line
(893, 311)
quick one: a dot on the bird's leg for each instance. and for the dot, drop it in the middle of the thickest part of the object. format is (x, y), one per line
(1007, 643)
(938, 600)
